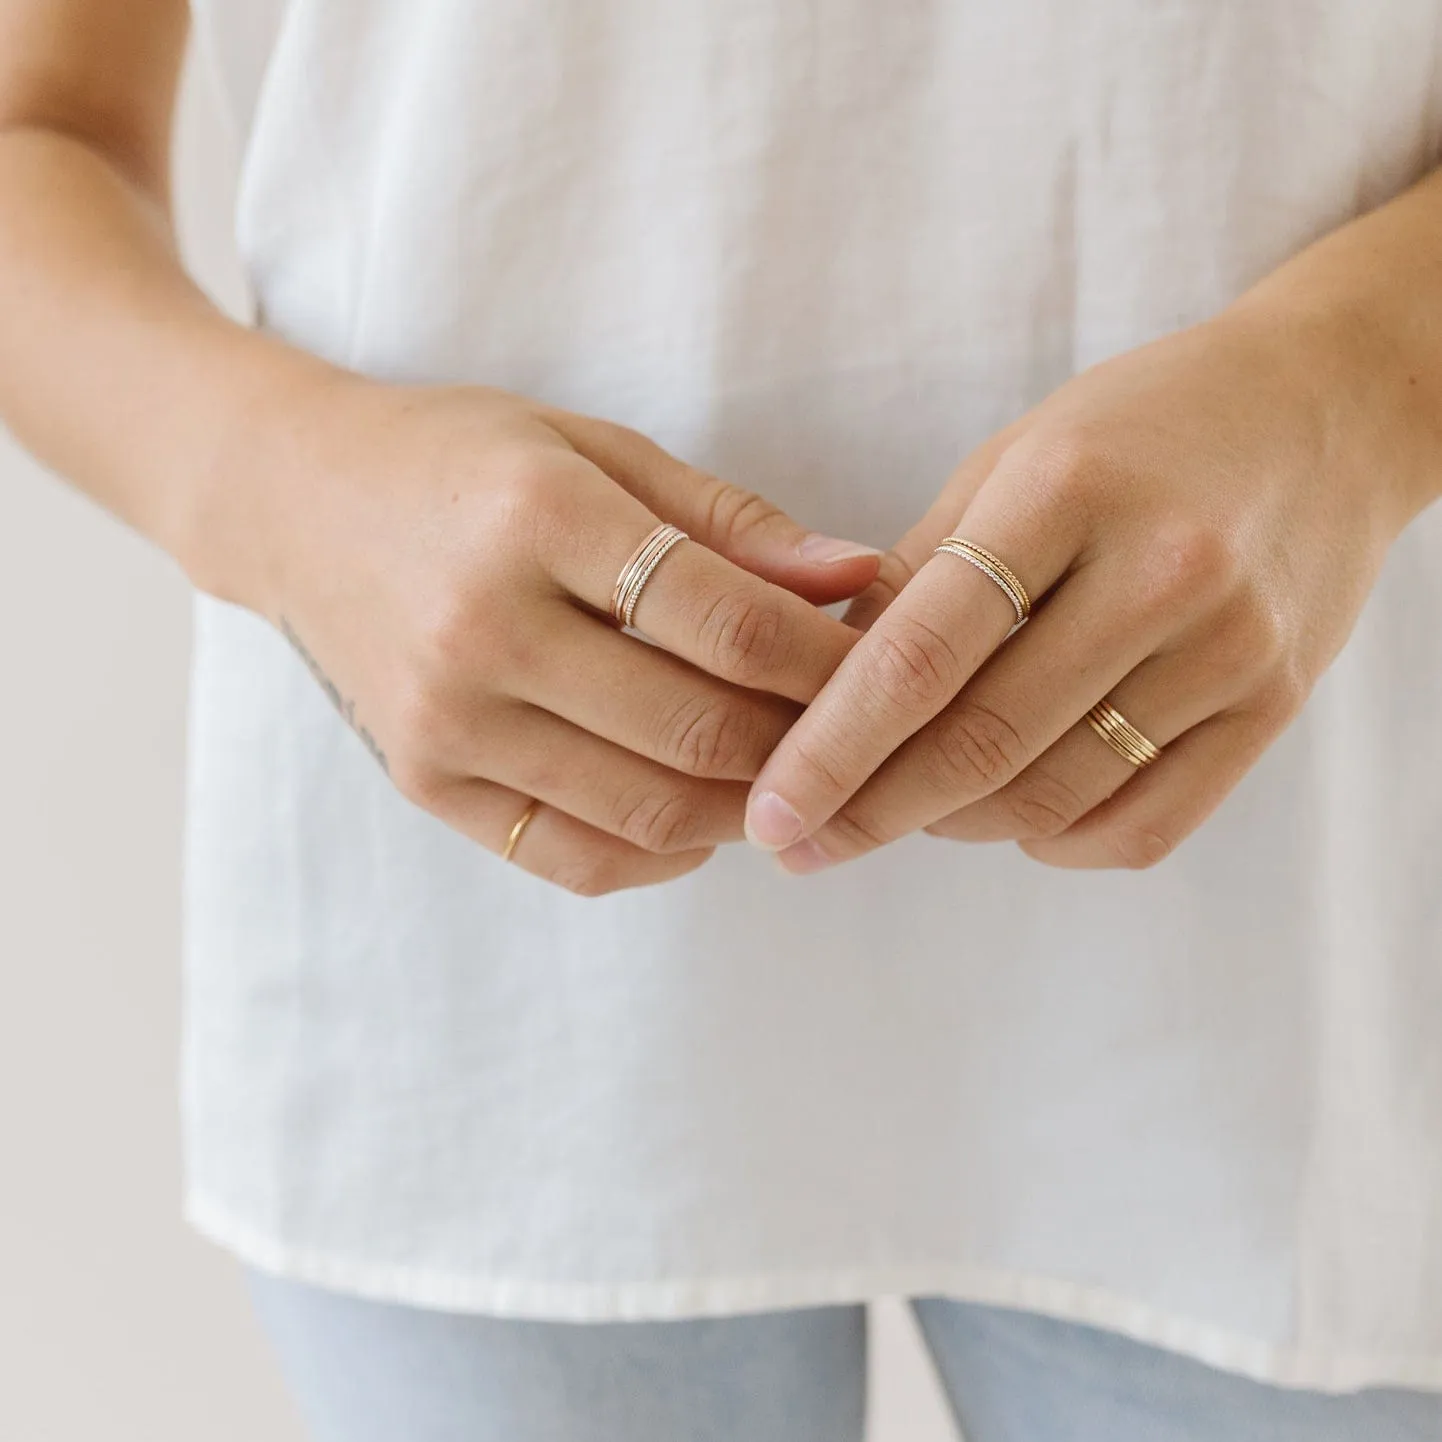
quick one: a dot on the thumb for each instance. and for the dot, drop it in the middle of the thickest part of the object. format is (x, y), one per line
(736, 523)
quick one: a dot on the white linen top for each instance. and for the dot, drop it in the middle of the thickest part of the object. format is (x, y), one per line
(824, 247)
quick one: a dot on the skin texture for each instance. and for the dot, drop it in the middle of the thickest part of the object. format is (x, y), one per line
(460, 618)
(1198, 524)
(442, 559)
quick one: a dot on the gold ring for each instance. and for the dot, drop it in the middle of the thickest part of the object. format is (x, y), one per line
(994, 568)
(519, 830)
(639, 569)
(1121, 735)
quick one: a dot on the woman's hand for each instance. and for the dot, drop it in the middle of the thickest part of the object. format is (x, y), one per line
(444, 561)
(1198, 524)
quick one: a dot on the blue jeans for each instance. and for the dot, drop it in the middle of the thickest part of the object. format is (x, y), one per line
(370, 1372)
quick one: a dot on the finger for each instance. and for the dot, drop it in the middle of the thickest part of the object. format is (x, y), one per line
(897, 570)
(554, 846)
(735, 523)
(608, 787)
(655, 705)
(1155, 812)
(1077, 648)
(913, 661)
(1164, 697)
(913, 550)
(696, 604)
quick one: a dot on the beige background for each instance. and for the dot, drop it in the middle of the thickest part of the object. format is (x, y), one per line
(115, 1323)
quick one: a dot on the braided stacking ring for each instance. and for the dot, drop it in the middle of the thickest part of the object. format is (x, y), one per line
(994, 568)
(640, 568)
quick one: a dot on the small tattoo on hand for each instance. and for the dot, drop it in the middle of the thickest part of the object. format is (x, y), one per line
(342, 704)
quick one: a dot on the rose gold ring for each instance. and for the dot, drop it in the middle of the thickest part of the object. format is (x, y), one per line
(640, 568)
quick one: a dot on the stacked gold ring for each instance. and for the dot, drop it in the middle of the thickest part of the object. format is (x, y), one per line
(994, 568)
(1121, 735)
(640, 568)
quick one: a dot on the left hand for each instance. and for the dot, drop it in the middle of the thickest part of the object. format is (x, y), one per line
(1198, 524)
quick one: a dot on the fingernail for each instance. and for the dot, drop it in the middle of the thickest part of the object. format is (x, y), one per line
(771, 822)
(804, 858)
(828, 550)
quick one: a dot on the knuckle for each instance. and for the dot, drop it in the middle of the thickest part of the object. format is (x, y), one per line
(1284, 696)
(1186, 565)
(530, 501)
(524, 479)
(447, 639)
(1042, 806)
(852, 832)
(976, 750)
(655, 820)
(733, 512)
(745, 636)
(1238, 644)
(1139, 848)
(541, 774)
(1262, 636)
(711, 738)
(826, 765)
(419, 782)
(418, 726)
(466, 628)
(1067, 472)
(915, 665)
(587, 871)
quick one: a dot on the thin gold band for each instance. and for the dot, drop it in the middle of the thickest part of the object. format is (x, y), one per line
(994, 568)
(1121, 735)
(639, 569)
(519, 830)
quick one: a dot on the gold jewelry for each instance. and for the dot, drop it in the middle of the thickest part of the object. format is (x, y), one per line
(1121, 735)
(994, 568)
(519, 830)
(639, 569)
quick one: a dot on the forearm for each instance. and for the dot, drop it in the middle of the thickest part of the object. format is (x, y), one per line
(114, 368)
(1364, 308)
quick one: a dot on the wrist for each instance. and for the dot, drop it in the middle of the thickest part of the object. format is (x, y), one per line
(1361, 392)
(230, 525)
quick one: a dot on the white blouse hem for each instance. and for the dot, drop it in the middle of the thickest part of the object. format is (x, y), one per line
(673, 1298)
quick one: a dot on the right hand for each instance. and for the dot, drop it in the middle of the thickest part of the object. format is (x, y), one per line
(444, 560)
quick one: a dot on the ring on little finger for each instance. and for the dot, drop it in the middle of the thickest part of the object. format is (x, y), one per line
(519, 830)
(1121, 735)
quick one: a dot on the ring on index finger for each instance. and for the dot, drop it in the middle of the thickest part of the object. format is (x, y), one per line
(992, 567)
(640, 568)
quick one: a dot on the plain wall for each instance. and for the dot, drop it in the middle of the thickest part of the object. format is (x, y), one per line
(115, 1322)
